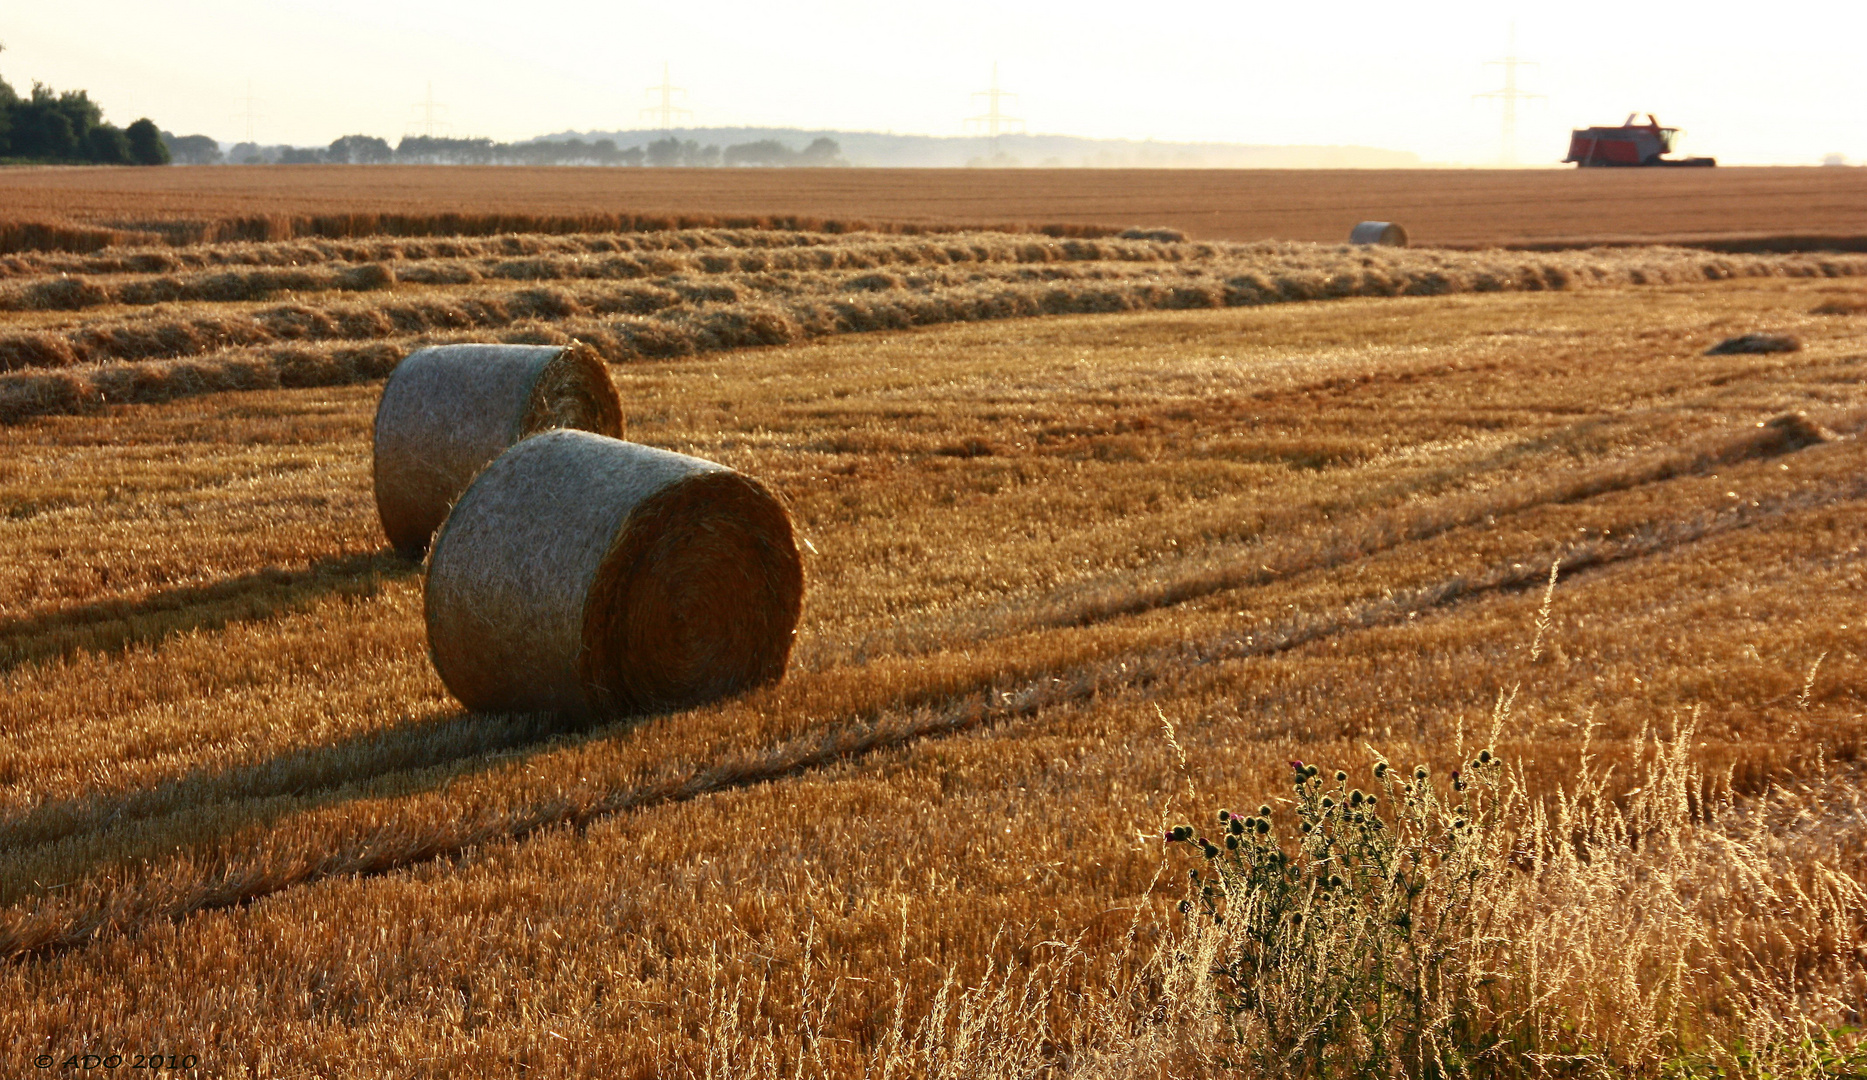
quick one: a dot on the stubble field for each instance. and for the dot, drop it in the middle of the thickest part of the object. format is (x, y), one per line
(1139, 520)
(80, 207)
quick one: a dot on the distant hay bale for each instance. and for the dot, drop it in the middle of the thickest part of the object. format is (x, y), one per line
(1383, 233)
(449, 410)
(1756, 343)
(593, 577)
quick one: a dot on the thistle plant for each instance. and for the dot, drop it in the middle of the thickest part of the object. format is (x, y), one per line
(1361, 924)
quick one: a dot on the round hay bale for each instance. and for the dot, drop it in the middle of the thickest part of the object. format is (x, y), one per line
(1384, 233)
(449, 410)
(594, 577)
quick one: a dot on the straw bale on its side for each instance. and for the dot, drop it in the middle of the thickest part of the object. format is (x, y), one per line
(449, 410)
(1382, 233)
(593, 577)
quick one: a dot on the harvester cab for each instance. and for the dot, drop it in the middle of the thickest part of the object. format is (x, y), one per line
(1631, 144)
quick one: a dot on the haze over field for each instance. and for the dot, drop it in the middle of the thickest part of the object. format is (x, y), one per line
(1765, 90)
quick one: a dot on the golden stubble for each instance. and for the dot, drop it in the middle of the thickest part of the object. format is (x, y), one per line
(1290, 531)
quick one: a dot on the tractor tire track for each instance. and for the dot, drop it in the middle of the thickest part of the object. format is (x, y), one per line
(433, 742)
(219, 880)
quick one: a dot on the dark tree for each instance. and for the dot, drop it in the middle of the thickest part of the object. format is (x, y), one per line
(41, 129)
(821, 151)
(765, 152)
(301, 155)
(83, 113)
(192, 149)
(8, 99)
(427, 150)
(359, 150)
(52, 126)
(107, 144)
(664, 152)
(144, 143)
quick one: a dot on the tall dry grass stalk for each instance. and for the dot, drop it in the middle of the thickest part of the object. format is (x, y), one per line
(1468, 926)
(1616, 926)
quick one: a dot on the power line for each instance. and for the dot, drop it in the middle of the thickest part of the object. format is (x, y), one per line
(1510, 95)
(994, 120)
(430, 123)
(666, 110)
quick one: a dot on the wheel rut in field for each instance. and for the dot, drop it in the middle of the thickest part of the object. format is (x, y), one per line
(1390, 528)
(225, 881)
(108, 626)
(428, 742)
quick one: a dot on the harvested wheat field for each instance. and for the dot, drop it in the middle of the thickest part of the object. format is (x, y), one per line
(1100, 536)
(1734, 208)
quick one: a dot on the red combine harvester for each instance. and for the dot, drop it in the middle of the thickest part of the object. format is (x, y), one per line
(1630, 144)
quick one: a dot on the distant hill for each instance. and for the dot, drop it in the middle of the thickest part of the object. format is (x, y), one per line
(1055, 151)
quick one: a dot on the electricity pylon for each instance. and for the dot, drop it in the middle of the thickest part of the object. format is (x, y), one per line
(1510, 95)
(666, 110)
(248, 110)
(994, 120)
(430, 123)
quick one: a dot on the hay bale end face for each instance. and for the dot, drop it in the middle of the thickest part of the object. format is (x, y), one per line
(449, 410)
(593, 577)
(1382, 233)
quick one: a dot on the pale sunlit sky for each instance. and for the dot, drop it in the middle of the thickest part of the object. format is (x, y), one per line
(1751, 83)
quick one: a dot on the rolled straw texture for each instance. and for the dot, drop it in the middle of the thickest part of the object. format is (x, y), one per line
(449, 410)
(585, 575)
(1384, 233)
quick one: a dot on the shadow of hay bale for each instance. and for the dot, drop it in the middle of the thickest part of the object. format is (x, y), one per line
(1756, 343)
(1158, 233)
(449, 410)
(585, 575)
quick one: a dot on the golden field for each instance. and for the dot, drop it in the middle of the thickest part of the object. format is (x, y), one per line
(1446, 207)
(1088, 527)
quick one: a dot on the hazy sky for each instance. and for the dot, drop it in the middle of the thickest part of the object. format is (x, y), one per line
(1750, 83)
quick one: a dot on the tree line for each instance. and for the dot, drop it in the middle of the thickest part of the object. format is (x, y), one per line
(432, 150)
(68, 127)
(47, 126)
